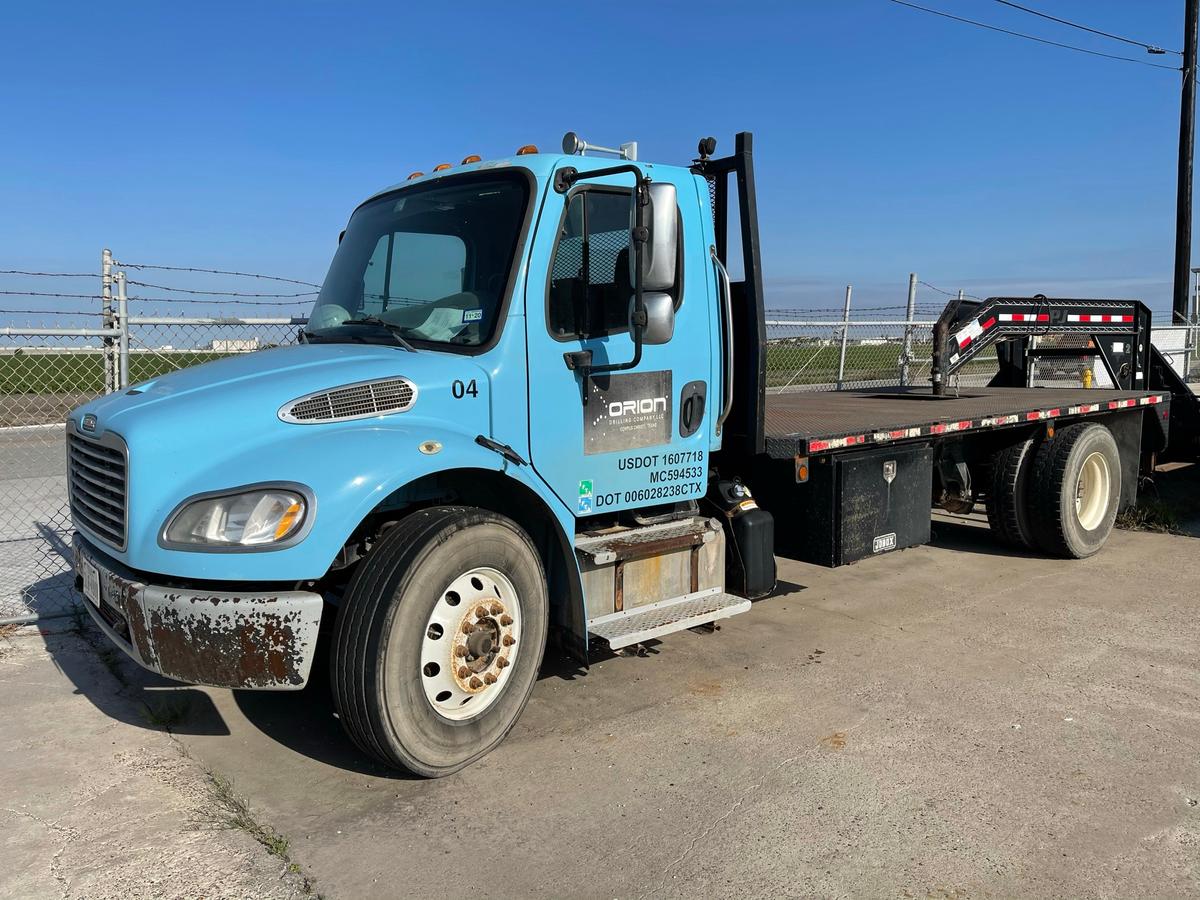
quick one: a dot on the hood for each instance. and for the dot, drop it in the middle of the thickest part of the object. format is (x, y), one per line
(251, 387)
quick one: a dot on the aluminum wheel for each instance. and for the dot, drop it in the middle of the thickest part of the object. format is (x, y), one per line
(1091, 491)
(471, 641)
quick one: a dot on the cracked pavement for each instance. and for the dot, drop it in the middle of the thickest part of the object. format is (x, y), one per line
(949, 721)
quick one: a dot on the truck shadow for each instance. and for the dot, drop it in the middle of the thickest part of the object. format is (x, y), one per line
(100, 672)
(968, 536)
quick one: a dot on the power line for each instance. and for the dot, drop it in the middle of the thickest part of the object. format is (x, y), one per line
(1030, 37)
(1150, 48)
(126, 265)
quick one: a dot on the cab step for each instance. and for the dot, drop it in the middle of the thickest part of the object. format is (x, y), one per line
(632, 626)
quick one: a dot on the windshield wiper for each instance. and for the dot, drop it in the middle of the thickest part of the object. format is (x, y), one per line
(396, 331)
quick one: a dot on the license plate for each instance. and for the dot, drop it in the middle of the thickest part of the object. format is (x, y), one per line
(91, 581)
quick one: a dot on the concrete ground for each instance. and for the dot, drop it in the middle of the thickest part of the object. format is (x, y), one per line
(951, 721)
(97, 800)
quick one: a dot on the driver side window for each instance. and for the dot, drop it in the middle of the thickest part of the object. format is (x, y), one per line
(590, 285)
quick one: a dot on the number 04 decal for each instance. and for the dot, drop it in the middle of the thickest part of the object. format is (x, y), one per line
(460, 390)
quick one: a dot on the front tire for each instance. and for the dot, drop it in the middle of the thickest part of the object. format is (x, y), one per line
(439, 640)
(1076, 490)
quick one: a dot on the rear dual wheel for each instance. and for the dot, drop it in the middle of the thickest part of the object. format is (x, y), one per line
(1076, 490)
(439, 639)
(1058, 495)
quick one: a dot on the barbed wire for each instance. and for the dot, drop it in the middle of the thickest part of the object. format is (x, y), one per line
(50, 294)
(51, 274)
(934, 287)
(292, 303)
(167, 287)
(50, 312)
(126, 265)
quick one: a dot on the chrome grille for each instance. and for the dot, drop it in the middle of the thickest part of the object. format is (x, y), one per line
(96, 485)
(354, 401)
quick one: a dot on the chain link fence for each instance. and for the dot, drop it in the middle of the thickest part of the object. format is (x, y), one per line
(54, 360)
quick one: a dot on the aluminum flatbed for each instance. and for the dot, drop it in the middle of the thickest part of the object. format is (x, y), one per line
(805, 423)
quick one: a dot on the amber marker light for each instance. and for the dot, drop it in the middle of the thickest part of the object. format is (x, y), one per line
(473, 158)
(526, 150)
(289, 520)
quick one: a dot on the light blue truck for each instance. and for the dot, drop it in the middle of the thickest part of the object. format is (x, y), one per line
(530, 404)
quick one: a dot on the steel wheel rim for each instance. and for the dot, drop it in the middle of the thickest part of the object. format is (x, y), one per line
(1092, 490)
(470, 644)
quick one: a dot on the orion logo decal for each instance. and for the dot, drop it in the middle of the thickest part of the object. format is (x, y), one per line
(627, 412)
(89, 422)
(647, 406)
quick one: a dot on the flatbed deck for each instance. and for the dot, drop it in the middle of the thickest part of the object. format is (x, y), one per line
(811, 422)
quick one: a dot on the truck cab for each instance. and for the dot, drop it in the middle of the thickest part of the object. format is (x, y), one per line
(528, 405)
(484, 369)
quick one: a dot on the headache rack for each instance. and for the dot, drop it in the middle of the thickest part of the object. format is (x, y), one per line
(1117, 332)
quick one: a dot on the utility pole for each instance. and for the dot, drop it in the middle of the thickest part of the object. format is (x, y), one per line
(1187, 142)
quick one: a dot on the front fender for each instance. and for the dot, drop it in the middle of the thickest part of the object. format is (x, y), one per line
(350, 470)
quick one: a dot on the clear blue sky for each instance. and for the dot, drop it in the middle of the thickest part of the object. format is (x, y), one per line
(240, 135)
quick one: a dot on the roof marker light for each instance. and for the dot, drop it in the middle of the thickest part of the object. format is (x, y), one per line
(415, 175)
(526, 150)
(467, 160)
(441, 167)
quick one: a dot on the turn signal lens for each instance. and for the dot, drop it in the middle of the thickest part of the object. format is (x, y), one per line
(440, 167)
(526, 150)
(473, 158)
(288, 521)
(415, 175)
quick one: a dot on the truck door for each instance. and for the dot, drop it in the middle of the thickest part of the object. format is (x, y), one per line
(639, 437)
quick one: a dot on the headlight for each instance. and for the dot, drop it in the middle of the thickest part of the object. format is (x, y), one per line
(249, 519)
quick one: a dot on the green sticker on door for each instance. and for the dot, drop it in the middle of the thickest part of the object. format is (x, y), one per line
(585, 496)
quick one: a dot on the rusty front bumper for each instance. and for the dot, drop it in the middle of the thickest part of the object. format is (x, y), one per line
(263, 641)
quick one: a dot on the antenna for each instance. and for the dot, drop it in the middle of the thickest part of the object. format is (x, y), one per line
(573, 143)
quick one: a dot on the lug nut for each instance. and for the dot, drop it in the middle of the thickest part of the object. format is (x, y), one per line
(463, 671)
(506, 620)
(497, 609)
(481, 612)
(460, 650)
(475, 683)
(489, 678)
(502, 662)
(509, 640)
(467, 627)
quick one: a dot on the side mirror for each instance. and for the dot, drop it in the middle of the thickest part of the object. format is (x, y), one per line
(658, 258)
(660, 317)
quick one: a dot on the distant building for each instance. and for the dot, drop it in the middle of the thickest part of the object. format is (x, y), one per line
(235, 346)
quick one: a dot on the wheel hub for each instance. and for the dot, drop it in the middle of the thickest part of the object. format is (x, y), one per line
(471, 641)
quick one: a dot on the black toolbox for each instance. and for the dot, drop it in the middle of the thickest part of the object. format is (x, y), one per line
(853, 506)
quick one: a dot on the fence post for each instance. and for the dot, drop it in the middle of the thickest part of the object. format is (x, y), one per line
(909, 314)
(123, 340)
(106, 318)
(845, 335)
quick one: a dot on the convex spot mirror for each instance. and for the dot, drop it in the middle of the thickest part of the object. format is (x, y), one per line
(658, 256)
(660, 317)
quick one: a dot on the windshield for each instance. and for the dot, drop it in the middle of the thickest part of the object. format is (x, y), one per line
(425, 264)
